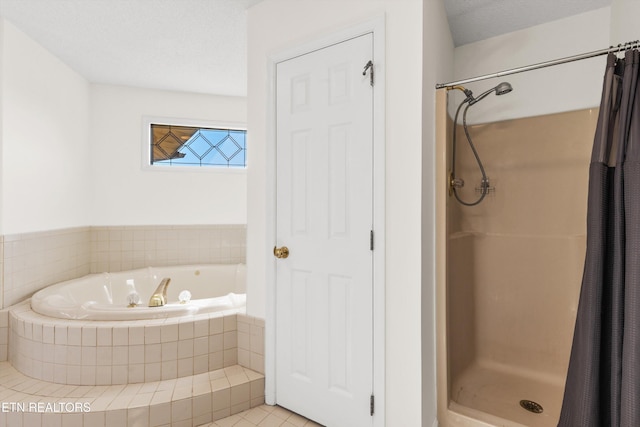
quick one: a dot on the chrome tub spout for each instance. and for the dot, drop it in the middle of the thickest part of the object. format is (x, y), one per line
(159, 297)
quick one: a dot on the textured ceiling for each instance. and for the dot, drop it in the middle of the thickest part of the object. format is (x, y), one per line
(200, 45)
(474, 20)
(187, 45)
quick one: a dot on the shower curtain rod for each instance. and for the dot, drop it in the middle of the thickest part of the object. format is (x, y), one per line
(612, 49)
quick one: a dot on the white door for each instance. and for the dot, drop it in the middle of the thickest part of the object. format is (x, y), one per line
(324, 288)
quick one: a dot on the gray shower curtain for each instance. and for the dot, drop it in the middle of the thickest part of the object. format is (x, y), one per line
(603, 380)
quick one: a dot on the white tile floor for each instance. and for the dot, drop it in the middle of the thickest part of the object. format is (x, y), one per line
(264, 416)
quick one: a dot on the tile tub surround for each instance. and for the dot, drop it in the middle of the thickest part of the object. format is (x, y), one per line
(4, 335)
(184, 402)
(118, 248)
(250, 342)
(106, 352)
(32, 261)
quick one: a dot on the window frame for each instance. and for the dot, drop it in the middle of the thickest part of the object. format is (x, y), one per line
(147, 121)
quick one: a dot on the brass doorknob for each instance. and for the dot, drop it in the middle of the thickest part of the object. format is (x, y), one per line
(282, 252)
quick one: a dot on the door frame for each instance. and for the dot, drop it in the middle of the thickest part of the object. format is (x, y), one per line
(376, 27)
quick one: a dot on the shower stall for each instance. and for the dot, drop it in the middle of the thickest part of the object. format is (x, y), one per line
(509, 268)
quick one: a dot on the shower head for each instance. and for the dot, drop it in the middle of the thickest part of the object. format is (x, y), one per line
(501, 89)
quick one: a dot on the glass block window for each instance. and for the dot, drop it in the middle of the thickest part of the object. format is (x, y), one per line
(197, 146)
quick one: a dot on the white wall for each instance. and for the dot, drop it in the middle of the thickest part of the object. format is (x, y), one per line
(45, 171)
(555, 89)
(71, 151)
(276, 25)
(2, 61)
(125, 194)
(624, 21)
(437, 67)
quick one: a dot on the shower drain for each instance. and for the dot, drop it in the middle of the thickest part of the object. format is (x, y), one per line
(531, 406)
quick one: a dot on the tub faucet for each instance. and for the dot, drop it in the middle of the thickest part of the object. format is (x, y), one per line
(159, 297)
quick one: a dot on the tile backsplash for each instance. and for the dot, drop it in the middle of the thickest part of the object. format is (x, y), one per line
(32, 261)
(130, 247)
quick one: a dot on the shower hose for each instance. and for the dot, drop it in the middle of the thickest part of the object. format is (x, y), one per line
(484, 183)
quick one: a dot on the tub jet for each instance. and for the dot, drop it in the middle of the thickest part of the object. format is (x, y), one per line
(531, 406)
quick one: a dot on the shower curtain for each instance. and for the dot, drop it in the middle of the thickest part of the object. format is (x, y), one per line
(603, 380)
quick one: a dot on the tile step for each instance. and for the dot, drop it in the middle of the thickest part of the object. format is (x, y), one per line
(181, 402)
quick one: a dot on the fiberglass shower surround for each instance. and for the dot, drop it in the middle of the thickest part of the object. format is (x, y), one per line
(501, 89)
(603, 380)
(454, 182)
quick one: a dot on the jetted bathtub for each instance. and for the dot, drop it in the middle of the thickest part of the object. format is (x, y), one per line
(107, 296)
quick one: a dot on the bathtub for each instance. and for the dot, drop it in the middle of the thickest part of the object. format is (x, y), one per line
(107, 296)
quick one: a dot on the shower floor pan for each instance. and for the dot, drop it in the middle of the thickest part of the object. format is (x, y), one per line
(496, 391)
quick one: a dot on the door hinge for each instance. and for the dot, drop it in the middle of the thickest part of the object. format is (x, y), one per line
(371, 240)
(369, 65)
(372, 405)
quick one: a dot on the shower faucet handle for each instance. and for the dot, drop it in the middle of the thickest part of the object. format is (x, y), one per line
(457, 182)
(485, 187)
(454, 183)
